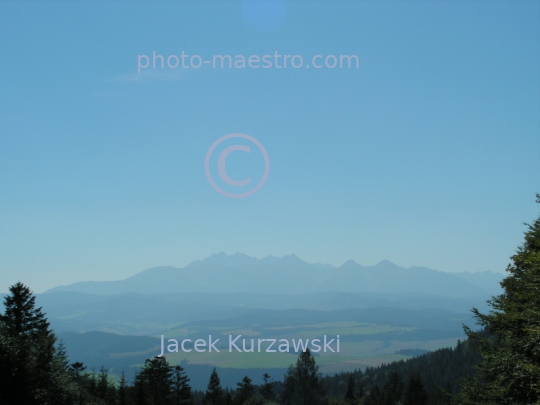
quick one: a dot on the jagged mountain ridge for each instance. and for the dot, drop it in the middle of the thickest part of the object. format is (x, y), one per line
(222, 273)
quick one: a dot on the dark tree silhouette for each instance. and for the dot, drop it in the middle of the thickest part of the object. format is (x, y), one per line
(122, 390)
(302, 385)
(102, 383)
(155, 379)
(214, 393)
(245, 391)
(350, 395)
(31, 373)
(393, 389)
(415, 393)
(266, 390)
(181, 389)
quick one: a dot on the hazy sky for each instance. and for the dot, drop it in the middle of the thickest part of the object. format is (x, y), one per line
(426, 154)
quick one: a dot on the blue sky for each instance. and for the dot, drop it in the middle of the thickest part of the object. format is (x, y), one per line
(426, 154)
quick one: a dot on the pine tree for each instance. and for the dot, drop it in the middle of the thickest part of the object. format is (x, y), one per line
(8, 356)
(181, 389)
(214, 393)
(62, 388)
(140, 390)
(361, 391)
(122, 390)
(245, 391)
(156, 378)
(510, 369)
(303, 385)
(26, 350)
(415, 394)
(76, 370)
(92, 383)
(33, 371)
(102, 383)
(393, 389)
(105, 389)
(61, 355)
(375, 397)
(266, 390)
(350, 395)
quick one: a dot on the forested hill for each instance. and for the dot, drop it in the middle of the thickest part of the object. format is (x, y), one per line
(441, 368)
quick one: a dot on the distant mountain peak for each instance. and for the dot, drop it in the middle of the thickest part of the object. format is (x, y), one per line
(238, 272)
(292, 258)
(386, 263)
(223, 259)
(350, 263)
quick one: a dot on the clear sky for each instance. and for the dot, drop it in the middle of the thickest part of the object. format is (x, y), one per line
(426, 154)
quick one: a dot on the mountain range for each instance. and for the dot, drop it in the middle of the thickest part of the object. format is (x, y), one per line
(239, 273)
(377, 310)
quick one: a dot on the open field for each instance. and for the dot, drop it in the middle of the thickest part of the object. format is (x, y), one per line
(361, 345)
(368, 336)
(352, 356)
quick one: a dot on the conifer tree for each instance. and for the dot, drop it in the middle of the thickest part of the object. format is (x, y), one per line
(510, 369)
(415, 393)
(266, 390)
(350, 395)
(62, 357)
(214, 393)
(245, 391)
(27, 347)
(122, 390)
(102, 383)
(303, 385)
(140, 390)
(180, 385)
(8, 354)
(393, 389)
(361, 391)
(375, 397)
(156, 378)
(92, 383)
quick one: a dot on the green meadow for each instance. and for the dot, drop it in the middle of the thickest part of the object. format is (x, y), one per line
(361, 345)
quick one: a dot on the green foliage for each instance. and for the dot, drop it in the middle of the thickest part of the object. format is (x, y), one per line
(441, 368)
(393, 389)
(214, 394)
(158, 376)
(122, 390)
(62, 357)
(267, 391)
(415, 393)
(160, 383)
(245, 391)
(182, 394)
(510, 370)
(350, 394)
(302, 385)
(33, 371)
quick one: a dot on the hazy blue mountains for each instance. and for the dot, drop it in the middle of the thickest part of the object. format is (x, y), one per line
(377, 310)
(140, 314)
(403, 328)
(221, 273)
